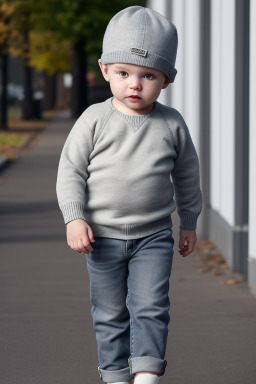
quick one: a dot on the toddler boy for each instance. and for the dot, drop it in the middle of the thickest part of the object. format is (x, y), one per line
(119, 168)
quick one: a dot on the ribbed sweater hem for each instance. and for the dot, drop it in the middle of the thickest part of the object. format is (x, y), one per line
(188, 220)
(127, 232)
(72, 211)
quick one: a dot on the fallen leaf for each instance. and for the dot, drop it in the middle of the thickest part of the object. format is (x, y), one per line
(233, 281)
(203, 243)
(210, 246)
(216, 272)
(205, 247)
(204, 270)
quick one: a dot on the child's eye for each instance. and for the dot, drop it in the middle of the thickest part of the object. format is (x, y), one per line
(148, 76)
(123, 74)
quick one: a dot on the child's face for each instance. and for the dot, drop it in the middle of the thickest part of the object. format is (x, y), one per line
(135, 88)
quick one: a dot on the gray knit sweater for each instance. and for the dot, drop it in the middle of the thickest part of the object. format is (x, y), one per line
(119, 173)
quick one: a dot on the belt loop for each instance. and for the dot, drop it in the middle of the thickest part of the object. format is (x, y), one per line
(130, 365)
(99, 372)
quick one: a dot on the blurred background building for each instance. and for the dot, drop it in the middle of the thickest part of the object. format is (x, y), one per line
(215, 90)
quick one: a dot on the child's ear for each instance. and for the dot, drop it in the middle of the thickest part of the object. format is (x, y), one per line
(104, 70)
(166, 82)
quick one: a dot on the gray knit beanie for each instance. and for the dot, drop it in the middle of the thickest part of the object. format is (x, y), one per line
(141, 36)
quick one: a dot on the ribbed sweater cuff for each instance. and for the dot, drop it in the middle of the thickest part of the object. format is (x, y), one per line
(72, 211)
(188, 220)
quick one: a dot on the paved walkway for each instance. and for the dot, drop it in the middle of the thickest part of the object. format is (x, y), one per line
(46, 334)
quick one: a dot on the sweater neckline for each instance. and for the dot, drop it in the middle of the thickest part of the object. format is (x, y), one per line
(135, 121)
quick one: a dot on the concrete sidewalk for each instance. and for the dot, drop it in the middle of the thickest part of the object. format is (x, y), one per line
(46, 333)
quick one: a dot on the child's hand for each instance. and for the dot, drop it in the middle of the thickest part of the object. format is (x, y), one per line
(79, 236)
(188, 237)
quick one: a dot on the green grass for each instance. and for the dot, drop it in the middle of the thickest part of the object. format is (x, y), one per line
(9, 139)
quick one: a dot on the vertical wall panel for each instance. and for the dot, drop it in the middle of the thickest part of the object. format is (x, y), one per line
(185, 94)
(177, 88)
(252, 141)
(227, 110)
(192, 68)
(215, 97)
(222, 107)
(252, 152)
(160, 6)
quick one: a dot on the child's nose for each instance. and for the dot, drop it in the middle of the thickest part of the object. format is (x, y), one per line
(135, 83)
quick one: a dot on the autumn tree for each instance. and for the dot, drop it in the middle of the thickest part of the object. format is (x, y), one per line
(5, 11)
(23, 21)
(38, 45)
(58, 35)
(82, 22)
(52, 57)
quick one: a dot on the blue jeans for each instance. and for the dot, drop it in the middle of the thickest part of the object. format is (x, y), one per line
(129, 285)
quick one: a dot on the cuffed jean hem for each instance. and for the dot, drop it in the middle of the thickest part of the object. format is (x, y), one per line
(147, 364)
(114, 376)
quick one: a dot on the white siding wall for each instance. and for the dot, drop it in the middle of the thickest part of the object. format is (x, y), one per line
(161, 7)
(192, 69)
(185, 94)
(222, 108)
(215, 97)
(252, 137)
(158, 6)
(176, 89)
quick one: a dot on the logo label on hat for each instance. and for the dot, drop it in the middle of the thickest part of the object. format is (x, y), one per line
(139, 51)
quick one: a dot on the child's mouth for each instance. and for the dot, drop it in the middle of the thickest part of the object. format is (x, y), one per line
(134, 98)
